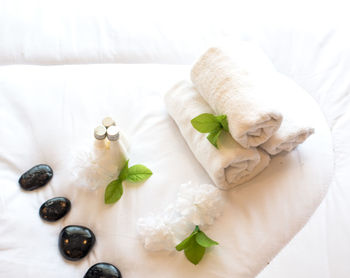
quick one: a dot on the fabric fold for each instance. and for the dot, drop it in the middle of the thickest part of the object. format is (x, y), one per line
(230, 164)
(297, 124)
(233, 82)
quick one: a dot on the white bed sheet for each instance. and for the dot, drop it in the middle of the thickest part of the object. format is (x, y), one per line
(307, 40)
(167, 32)
(46, 112)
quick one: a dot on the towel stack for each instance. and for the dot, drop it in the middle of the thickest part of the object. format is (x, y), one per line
(240, 82)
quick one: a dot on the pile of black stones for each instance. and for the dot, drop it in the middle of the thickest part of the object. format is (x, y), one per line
(74, 242)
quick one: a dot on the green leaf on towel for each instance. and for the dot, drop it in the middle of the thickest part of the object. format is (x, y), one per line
(223, 121)
(214, 136)
(205, 123)
(209, 123)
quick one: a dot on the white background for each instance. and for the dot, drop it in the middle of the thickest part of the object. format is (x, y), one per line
(307, 40)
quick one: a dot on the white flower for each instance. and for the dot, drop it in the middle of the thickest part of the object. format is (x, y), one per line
(92, 167)
(195, 205)
(155, 234)
(200, 204)
(177, 223)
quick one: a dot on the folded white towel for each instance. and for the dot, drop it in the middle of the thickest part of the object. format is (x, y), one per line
(296, 126)
(233, 83)
(228, 166)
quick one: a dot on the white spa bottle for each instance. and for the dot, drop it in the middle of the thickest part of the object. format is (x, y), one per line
(116, 146)
(100, 134)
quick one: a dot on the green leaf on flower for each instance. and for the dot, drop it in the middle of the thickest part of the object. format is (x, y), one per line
(203, 240)
(196, 230)
(183, 244)
(138, 173)
(113, 192)
(194, 246)
(194, 252)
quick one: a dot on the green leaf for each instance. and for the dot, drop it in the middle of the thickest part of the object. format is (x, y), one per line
(204, 241)
(214, 136)
(205, 123)
(113, 191)
(194, 245)
(185, 243)
(124, 172)
(194, 252)
(223, 121)
(138, 173)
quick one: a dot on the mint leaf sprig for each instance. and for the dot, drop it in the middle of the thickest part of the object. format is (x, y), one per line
(209, 123)
(194, 246)
(136, 173)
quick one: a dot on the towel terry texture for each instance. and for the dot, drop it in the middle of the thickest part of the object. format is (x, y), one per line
(296, 126)
(230, 164)
(237, 82)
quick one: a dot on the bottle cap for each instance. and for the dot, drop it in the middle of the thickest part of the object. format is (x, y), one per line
(108, 121)
(112, 133)
(100, 132)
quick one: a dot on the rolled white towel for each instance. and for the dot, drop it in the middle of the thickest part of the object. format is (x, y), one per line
(227, 166)
(233, 82)
(296, 126)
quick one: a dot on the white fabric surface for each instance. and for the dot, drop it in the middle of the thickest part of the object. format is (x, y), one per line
(51, 110)
(157, 31)
(306, 40)
(230, 164)
(236, 82)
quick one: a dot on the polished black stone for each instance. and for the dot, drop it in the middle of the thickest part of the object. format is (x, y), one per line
(54, 209)
(36, 177)
(75, 242)
(103, 270)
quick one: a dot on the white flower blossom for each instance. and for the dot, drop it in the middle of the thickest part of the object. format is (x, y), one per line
(156, 235)
(200, 204)
(195, 205)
